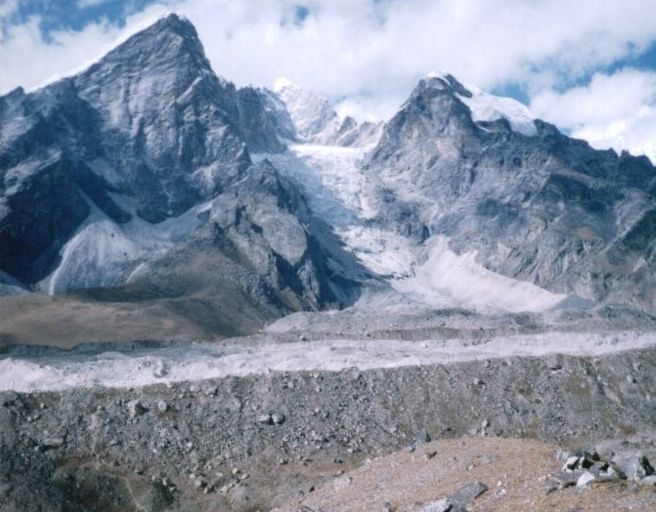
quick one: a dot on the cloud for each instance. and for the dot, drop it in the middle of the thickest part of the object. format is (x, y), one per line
(27, 59)
(611, 111)
(8, 7)
(90, 3)
(368, 54)
(345, 47)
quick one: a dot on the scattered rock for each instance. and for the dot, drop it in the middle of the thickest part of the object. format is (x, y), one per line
(8, 398)
(5, 489)
(136, 408)
(585, 479)
(277, 418)
(162, 406)
(265, 419)
(648, 480)
(468, 493)
(52, 442)
(443, 505)
(571, 463)
(635, 466)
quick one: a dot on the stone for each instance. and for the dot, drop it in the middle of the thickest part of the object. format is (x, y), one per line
(136, 408)
(265, 419)
(51, 442)
(585, 479)
(648, 480)
(564, 479)
(468, 493)
(278, 418)
(423, 437)
(429, 455)
(8, 398)
(610, 473)
(443, 505)
(162, 406)
(387, 507)
(571, 463)
(635, 466)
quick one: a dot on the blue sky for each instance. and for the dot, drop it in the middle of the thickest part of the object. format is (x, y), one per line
(367, 54)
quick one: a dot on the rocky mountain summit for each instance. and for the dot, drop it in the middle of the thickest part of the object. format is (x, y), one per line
(143, 161)
(533, 205)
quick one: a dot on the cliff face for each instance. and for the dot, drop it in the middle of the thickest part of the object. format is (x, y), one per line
(534, 204)
(142, 162)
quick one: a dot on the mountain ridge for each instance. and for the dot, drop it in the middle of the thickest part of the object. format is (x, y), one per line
(148, 160)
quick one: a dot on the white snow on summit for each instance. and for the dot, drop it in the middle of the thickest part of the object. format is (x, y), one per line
(313, 115)
(317, 122)
(488, 107)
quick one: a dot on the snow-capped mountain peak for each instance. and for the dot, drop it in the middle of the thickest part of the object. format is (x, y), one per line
(485, 107)
(283, 82)
(317, 121)
(313, 115)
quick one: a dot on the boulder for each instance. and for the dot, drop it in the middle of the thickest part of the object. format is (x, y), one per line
(443, 505)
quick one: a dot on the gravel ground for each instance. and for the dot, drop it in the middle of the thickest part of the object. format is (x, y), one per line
(513, 470)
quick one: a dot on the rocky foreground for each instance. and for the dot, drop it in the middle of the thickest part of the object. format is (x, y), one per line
(389, 439)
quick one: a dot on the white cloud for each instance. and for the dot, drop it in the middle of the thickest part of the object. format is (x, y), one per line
(8, 7)
(89, 3)
(617, 111)
(353, 46)
(30, 61)
(370, 54)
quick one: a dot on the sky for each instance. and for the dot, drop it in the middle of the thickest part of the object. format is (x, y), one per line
(587, 66)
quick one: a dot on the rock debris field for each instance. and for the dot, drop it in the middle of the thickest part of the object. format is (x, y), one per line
(407, 439)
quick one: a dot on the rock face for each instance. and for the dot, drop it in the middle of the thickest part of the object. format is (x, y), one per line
(142, 162)
(542, 208)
